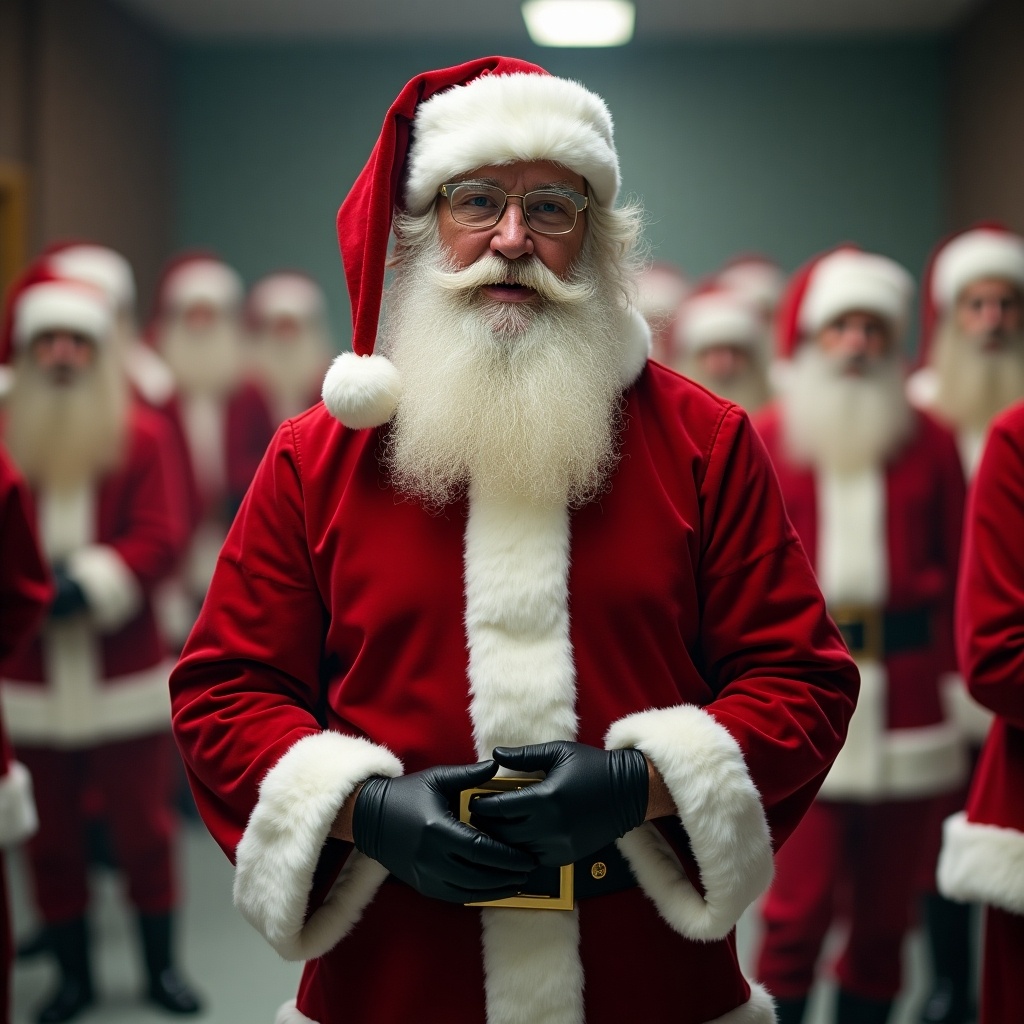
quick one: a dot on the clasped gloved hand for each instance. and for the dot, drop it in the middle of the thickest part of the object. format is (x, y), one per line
(407, 824)
(588, 798)
(69, 597)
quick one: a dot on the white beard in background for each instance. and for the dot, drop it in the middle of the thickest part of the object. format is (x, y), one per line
(749, 389)
(62, 437)
(843, 422)
(521, 399)
(976, 382)
(204, 362)
(290, 370)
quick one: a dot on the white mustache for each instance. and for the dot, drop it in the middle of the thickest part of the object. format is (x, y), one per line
(527, 272)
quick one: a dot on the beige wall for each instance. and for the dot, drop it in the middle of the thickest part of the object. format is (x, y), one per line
(88, 111)
(986, 118)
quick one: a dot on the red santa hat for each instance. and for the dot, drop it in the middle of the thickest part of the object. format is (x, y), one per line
(843, 280)
(986, 250)
(96, 265)
(758, 278)
(714, 315)
(288, 293)
(198, 278)
(41, 300)
(494, 110)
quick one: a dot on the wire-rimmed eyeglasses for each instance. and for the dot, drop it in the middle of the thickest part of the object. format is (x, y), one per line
(547, 211)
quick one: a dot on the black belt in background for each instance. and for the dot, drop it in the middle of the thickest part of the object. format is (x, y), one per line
(874, 633)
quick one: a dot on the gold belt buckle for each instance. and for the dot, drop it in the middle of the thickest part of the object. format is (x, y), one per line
(563, 899)
(870, 620)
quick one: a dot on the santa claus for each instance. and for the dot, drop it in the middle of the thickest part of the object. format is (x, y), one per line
(86, 703)
(288, 341)
(507, 545)
(875, 491)
(660, 288)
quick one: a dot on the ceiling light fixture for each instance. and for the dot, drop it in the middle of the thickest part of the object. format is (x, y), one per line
(579, 22)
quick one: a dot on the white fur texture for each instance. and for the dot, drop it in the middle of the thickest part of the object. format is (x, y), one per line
(67, 305)
(18, 819)
(362, 391)
(720, 809)
(982, 864)
(637, 344)
(281, 845)
(973, 256)
(718, 318)
(112, 590)
(499, 119)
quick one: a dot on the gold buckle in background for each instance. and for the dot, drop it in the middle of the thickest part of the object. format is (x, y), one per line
(564, 899)
(871, 622)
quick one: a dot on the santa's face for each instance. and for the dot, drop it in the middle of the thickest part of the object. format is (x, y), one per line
(855, 341)
(989, 311)
(723, 363)
(512, 237)
(62, 356)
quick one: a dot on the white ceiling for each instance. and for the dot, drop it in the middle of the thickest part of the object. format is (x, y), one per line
(656, 20)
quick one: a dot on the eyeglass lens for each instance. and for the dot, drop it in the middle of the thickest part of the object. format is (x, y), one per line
(479, 206)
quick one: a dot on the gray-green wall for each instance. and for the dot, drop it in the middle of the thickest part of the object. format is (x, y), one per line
(785, 148)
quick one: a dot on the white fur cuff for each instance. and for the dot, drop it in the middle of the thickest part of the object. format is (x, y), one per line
(982, 864)
(18, 818)
(719, 808)
(281, 846)
(112, 590)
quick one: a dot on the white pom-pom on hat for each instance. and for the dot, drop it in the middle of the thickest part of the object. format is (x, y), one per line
(362, 391)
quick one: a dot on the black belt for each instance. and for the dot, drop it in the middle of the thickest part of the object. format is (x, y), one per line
(874, 633)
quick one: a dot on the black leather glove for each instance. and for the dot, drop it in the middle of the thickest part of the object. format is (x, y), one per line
(69, 597)
(588, 798)
(407, 825)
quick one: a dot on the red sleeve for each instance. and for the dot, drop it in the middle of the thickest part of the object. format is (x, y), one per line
(990, 598)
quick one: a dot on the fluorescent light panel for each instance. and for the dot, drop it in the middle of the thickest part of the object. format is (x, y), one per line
(579, 22)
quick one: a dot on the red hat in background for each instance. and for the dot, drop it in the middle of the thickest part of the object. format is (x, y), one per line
(841, 280)
(195, 276)
(285, 293)
(755, 276)
(494, 110)
(716, 315)
(97, 265)
(41, 300)
(985, 250)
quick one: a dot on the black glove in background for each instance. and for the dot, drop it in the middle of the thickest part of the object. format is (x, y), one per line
(588, 798)
(407, 824)
(69, 597)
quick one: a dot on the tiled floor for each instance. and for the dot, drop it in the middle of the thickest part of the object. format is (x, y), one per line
(242, 979)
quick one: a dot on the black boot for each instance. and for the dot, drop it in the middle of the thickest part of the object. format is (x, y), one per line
(165, 986)
(853, 1009)
(948, 930)
(69, 943)
(790, 1011)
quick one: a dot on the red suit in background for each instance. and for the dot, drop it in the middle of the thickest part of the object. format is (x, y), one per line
(880, 514)
(983, 846)
(287, 340)
(25, 594)
(86, 703)
(197, 329)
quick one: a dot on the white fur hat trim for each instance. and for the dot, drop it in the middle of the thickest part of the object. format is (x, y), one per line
(850, 281)
(973, 256)
(499, 119)
(203, 281)
(101, 267)
(362, 391)
(760, 282)
(287, 295)
(56, 305)
(720, 319)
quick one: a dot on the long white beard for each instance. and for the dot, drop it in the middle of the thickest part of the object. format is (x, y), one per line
(520, 399)
(204, 362)
(64, 437)
(976, 382)
(749, 389)
(841, 422)
(291, 371)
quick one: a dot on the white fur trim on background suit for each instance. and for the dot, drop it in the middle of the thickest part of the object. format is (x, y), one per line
(720, 809)
(974, 256)
(720, 319)
(982, 864)
(279, 850)
(112, 591)
(846, 281)
(202, 281)
(61, 305)
(101, 267)
(362, 391)
(18, 818)
(499, 119)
